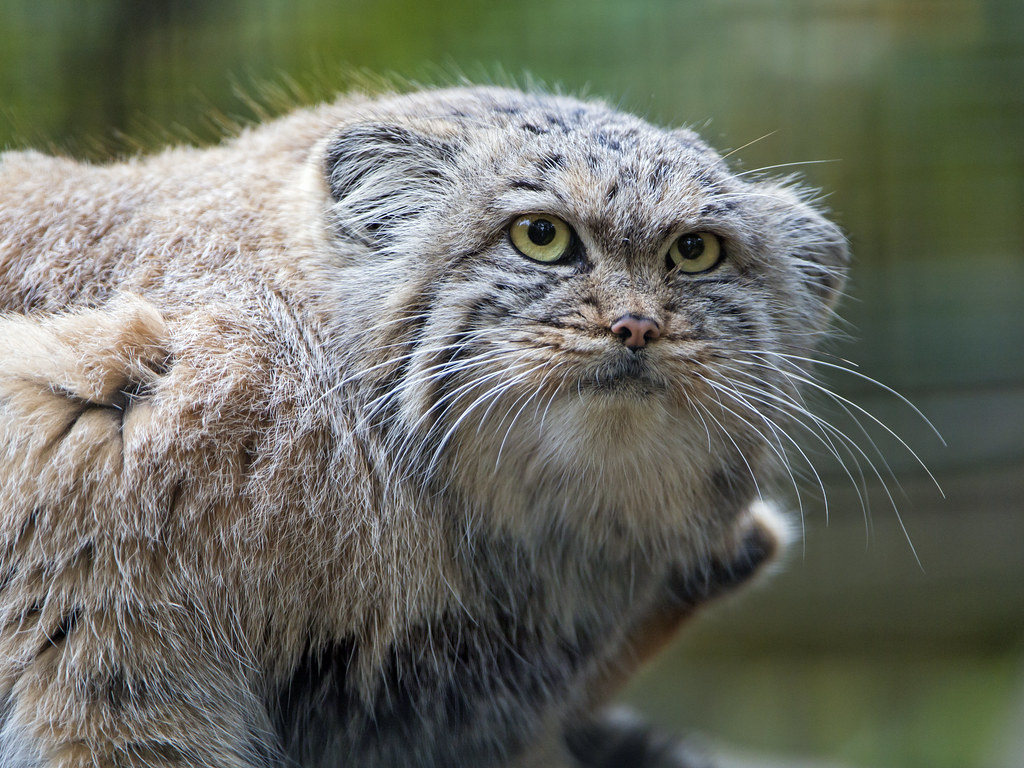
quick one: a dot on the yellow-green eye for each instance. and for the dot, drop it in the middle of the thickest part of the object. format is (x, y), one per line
(695, 252)
(540, 236)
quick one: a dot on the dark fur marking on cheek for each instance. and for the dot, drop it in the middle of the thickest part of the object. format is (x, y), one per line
(529, 292)
(693, 320)
(485, 311)
(413, 322)
(743, 320)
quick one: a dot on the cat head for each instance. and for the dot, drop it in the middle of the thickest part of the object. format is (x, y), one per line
(539, 296)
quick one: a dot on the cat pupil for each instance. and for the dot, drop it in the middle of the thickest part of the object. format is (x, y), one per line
(541, 232)
(691, 246)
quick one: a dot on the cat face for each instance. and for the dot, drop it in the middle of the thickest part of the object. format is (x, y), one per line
(568, 292)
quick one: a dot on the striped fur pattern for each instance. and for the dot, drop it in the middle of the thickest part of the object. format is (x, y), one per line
(303, 464)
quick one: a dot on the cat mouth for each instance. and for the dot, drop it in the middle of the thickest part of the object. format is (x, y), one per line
(631, 372)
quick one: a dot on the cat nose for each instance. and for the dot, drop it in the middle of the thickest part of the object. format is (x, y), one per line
(635, 330)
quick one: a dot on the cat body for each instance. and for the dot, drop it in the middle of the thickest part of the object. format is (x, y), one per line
(304, 462)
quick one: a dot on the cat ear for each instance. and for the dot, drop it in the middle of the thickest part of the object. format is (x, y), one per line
(380, 176)
(817, 247)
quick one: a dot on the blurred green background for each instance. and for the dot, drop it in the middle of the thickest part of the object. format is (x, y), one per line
(908, 113)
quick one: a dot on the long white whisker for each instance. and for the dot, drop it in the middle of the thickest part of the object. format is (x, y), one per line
(868, 379)
(776, 448)
(732, 440)
(778, 398)
(778, 431)
(811, 382)
(843, 402)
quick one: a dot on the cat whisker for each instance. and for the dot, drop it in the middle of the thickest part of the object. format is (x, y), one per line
(798, 374)
(493, 395)
(850, 368)
(529, 398)
(751, 143)
(735, 445)
(776, 447)
(846, 403)
(762, 169)
(779, 432)
(817, 428)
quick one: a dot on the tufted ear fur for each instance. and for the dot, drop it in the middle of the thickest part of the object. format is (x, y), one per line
(381, 175)
(817, 247)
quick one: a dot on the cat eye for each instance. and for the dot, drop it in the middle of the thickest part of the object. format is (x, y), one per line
(540, 237)
(695, 252)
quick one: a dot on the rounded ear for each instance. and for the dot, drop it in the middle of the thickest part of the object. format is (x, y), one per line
(380, 175)
(816, 246)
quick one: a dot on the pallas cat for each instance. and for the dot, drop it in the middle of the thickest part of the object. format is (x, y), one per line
(392, 432)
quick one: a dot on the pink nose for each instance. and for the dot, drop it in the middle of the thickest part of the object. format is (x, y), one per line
(635, 330)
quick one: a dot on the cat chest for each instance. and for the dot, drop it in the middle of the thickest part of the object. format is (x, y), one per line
(464, 692)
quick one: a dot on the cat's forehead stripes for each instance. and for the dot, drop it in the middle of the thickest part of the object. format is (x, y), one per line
(629, 198)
